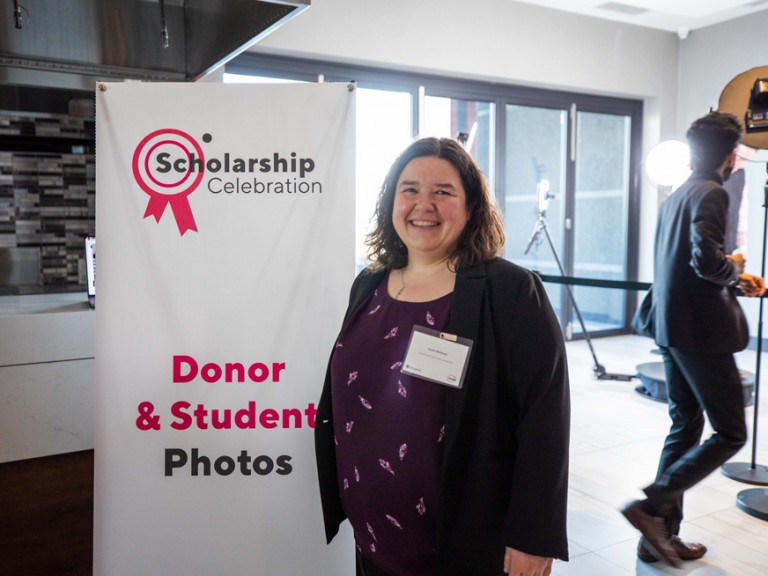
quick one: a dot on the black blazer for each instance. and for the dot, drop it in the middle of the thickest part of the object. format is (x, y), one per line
(694, 283)
(505, 466)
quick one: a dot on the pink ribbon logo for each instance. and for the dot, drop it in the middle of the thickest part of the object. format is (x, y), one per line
(162, 167)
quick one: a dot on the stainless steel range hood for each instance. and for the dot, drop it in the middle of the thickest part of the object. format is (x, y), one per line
(47, 41)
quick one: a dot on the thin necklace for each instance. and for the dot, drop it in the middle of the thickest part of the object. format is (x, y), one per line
(402, 280)
(402, 285)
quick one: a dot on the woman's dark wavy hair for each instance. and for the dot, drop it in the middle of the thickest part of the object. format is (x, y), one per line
(483, 236)
(711, 138)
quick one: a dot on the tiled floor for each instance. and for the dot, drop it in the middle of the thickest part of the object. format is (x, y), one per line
(616, 438)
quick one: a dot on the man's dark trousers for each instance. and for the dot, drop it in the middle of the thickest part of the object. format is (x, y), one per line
(696, 382)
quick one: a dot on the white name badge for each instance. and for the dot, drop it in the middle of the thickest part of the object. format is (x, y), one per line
(437, 356)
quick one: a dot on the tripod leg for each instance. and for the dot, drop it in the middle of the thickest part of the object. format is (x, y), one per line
(536, 231)
(598, 369)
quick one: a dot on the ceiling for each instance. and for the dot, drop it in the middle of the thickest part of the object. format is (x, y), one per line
(679, 16)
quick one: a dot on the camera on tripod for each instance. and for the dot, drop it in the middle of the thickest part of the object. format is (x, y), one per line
(543, 194)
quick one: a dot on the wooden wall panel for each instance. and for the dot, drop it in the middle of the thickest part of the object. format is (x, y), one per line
(46, 516)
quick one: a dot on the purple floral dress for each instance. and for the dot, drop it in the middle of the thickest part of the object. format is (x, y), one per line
(389, 430)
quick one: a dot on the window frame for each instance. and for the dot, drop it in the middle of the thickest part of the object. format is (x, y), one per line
(500, 94)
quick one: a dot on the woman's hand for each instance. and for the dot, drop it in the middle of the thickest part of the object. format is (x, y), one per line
(518, 563)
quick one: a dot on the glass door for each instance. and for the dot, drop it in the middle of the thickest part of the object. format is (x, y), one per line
(535, 191)
(601, 216)
(566, 196)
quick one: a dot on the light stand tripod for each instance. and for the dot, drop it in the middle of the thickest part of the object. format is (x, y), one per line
(754, 501)
(544, 196)
(746, 97)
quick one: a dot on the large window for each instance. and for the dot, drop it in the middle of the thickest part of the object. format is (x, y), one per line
(383, 129)
(535, 190)
(601, 213)
(563, 168)
(471, 119)
(567, 196)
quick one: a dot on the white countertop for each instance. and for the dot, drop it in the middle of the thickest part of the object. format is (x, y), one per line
(43, 303)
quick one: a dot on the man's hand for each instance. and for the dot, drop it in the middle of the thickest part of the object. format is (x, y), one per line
(751, 285)
(739, 259)
(518, 563)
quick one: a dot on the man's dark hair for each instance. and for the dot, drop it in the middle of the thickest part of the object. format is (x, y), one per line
(711, 138)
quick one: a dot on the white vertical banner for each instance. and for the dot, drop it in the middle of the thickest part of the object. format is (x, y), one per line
(225, 222)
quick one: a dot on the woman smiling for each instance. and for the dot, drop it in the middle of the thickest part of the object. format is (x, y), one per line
(462, 474)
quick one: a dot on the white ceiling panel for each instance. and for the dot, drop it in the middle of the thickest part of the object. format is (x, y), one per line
(670, 15)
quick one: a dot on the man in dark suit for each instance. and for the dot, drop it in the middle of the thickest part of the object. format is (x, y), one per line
(698, 327)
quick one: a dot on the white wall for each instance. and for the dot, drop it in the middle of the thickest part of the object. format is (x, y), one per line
(504, 41)
(489, 40)
(712, 56)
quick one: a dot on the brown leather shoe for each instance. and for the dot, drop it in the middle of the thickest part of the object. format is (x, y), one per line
(652, 528)
(685, 550)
